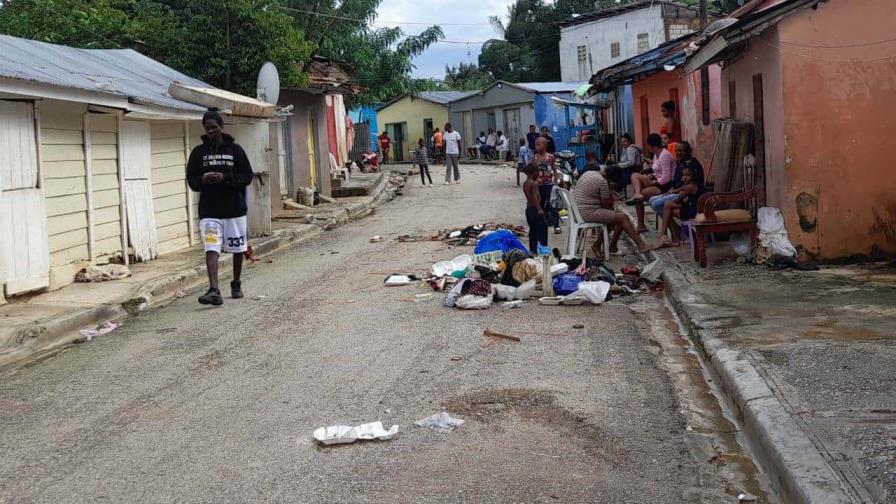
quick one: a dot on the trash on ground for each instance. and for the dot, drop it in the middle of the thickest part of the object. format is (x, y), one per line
(376, 239)
(457, 358)
(578, 326)
(344, 434)
(504, 292)
(259, 297)
(568, 283)
(179, 293)
(591, 292)
(509, 305)
(746, 497)
(103, 273)
(89, 334)
(473, 302)
(780, 262)
(420, 298)
(653, 271)
(772, 233)
(493, 334)
(551, 300)
(440, 422)
(397, 280)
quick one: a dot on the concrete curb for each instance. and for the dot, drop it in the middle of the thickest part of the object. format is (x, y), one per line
(48, 337)
(796, 465)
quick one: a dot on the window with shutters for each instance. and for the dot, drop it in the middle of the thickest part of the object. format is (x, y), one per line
(643, 42)
(582, 59)
(614, 50)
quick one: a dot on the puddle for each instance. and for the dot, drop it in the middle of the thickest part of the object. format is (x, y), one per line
(714, 436)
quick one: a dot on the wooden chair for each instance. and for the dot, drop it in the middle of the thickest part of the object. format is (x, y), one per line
(715, 214)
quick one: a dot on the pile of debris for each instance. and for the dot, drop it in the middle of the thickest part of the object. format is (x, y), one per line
(469, 235)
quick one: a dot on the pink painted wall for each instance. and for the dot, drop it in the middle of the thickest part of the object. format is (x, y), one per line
(830, 118)
(690, 111)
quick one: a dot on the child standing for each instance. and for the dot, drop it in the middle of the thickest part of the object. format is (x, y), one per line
(524, 157)
(538, 226)
(421, 158)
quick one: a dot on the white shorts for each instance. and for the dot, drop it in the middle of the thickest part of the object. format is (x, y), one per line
(224, 235)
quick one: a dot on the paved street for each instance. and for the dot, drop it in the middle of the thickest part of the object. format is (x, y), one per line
(193, 404)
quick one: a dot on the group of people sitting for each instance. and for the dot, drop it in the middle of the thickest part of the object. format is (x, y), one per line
(488, 146)
(668, 178)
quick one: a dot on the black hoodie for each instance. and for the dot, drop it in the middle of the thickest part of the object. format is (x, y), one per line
(227, 199)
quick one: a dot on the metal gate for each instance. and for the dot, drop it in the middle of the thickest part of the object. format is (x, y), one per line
(362, 141)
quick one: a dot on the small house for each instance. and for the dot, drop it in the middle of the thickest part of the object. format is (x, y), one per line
(815, 79)
(93, 149)
(411, 117)
(512, 107)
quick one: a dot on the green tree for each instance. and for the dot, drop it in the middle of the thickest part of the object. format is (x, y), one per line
(467, 77)
(380, 58)
(221, 42)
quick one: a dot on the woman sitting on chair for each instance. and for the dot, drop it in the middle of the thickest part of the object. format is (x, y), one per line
(595, 203)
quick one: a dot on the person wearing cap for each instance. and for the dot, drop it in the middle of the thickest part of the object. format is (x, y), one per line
(219, 171)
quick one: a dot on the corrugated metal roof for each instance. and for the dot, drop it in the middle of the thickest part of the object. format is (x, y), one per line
(646, 63)
(444, 97)
(550, 87)
(628, 7)
(121, 72)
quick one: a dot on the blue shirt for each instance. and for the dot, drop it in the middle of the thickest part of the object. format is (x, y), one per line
(524, 156)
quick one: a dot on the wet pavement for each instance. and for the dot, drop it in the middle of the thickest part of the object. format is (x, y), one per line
(198, 404)
(824, 342)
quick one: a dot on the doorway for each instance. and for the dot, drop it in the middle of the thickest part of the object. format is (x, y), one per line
(491, 121)
(397, 131)
(428, 130)
(759, 140)
(512, 126)
(645, 120)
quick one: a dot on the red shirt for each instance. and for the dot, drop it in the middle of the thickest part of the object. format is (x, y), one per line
(385, 141)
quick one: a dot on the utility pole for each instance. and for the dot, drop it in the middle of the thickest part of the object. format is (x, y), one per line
(702, 15)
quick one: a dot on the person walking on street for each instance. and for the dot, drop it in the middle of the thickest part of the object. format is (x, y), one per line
(538, 227)
(421, 157)
(548, 178)
(219, 171)
(385, 142)
(452, 142)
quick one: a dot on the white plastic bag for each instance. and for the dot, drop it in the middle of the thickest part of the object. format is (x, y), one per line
(772, 233)
(445, 268)
(473, 302)
(344, 434)
(526, 290)
(653, 271)
(591, 292)
(396, 280)
(504, 292)
(441, 422)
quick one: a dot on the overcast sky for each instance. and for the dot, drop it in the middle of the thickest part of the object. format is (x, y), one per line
(444, 12)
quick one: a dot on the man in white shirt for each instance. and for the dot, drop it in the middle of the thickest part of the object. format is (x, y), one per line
(490, 143)
(452, 141)
(502, 146)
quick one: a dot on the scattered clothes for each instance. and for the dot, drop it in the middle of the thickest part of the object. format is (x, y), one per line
(526, 270)
(454, 293)
(630, 270)
(103, 273)
(780, 262)
(477, 287)
(440, 422)
(89, 334)
(510, 260)
(772, 233)
(344, 434)
(502, 240)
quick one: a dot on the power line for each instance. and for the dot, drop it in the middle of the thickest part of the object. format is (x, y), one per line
(378, 21)
(844, 46)
(833, 60)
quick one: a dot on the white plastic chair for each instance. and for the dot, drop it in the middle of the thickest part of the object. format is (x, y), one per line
(577, 225)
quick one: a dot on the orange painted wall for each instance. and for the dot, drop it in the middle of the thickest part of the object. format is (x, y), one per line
(656, 87)
(830, 119)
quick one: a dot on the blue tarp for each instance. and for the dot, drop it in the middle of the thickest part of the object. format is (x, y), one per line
(367, 114)
(502, 240)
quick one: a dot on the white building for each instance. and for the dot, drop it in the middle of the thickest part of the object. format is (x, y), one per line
(594, 41)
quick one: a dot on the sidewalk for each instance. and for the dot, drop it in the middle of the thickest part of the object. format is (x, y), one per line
(808, 359)
(42, 324)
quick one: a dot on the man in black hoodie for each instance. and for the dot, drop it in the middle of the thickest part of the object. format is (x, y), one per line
(220, 171)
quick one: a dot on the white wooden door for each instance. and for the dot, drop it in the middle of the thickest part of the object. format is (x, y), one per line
(24, 245)
(285, 188)
(137, 169)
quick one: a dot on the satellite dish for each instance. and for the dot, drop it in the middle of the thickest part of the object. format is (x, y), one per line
(268, 87)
